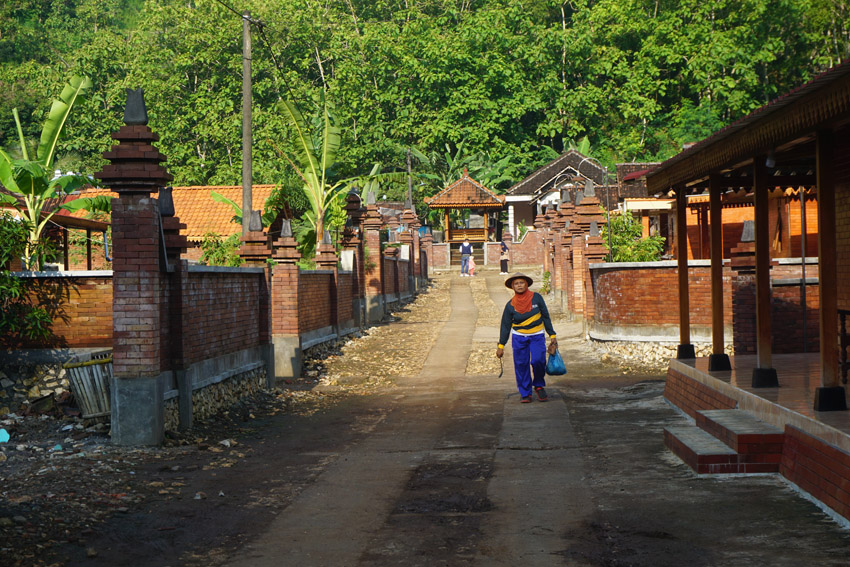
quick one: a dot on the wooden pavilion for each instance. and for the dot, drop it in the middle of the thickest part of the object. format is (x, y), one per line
(802, 429)
(467, 193)
(800, 140)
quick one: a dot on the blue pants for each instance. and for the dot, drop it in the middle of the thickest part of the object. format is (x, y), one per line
(464, 264)
(529, 355)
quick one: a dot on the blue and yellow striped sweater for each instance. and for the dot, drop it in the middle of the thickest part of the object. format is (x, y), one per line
(535, 321)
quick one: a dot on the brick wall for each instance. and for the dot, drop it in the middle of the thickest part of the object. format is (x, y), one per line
(219, 313)
(529, 251)
(346, 296)
(650, 295)
(403, 273)
(818, 468)
(440, 255)
(390, 276)
(80, 307)
(691, 396)
(314, 308)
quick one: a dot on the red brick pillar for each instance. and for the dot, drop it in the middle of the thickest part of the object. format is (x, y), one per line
(565, 214)
(426, 254)
(139, 282)
(594, 253)
(256, 250)
(576, 236)
(352, 243)
(408, 238)
(286, 338)
(373, 265)
(327, 260)
(556, 278)
(540, 226)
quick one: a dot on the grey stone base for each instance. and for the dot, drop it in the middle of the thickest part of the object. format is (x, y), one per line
(288, 357)
(374, 309)
(137, 410)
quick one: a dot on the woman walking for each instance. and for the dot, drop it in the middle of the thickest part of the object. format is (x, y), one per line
(526, 319)
(504, 256)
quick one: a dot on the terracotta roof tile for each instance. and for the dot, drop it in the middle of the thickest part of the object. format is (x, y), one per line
(197, 210)
(465, 193)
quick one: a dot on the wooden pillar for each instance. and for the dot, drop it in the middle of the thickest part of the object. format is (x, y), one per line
(830, 395)
(65, 256)
(685, 348)
(764, 375)
(718, 360)
(88, 249)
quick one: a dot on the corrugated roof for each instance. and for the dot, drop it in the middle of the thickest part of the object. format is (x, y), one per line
(197, 210)
(465, 193)
(635, 175)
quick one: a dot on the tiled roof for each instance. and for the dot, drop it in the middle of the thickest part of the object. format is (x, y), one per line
(571, 162)
(197, 210)
(465, 193)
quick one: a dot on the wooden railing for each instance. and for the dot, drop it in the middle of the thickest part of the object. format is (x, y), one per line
(473, 234)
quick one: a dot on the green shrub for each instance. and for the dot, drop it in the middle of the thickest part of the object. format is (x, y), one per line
(218, 251)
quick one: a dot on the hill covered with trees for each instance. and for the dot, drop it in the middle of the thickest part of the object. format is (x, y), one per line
(510, 82)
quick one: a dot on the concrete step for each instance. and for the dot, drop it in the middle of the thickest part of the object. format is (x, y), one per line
(742, 431)
(700, 451)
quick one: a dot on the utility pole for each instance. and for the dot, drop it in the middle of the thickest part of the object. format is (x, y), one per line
(247, 140)
(409, 183)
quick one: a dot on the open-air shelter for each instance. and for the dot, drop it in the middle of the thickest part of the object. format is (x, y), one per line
(799, 141)
(766, 412)
(468, 194)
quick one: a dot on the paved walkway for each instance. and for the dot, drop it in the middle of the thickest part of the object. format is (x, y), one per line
(456, 471)
(454, 475)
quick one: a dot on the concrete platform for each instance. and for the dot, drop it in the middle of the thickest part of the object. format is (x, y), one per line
(815, 453)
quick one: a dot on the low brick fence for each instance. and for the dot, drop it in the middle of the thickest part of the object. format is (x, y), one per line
(639, 302)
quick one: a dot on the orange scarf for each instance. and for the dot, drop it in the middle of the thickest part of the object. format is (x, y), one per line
(522, 301)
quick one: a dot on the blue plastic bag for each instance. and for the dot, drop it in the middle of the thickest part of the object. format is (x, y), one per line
(555, 365)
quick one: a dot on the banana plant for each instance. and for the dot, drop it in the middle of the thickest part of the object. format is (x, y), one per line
(315, 152)
(31, 183)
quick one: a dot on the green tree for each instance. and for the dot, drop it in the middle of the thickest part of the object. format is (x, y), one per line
(627, 245)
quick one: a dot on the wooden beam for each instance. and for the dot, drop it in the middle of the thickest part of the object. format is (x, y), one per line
(718, 360)
(763, 375)
(685, 349)
(65, 248)
(827, 263)
(88, 249)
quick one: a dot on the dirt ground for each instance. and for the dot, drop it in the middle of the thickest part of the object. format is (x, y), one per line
(435, 492)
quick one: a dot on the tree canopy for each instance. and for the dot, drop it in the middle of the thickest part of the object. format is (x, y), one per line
(511, 80)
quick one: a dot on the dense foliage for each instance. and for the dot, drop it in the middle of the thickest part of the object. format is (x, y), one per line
(218, 251)
(626, 244)
(19, 318)
(511, 80)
